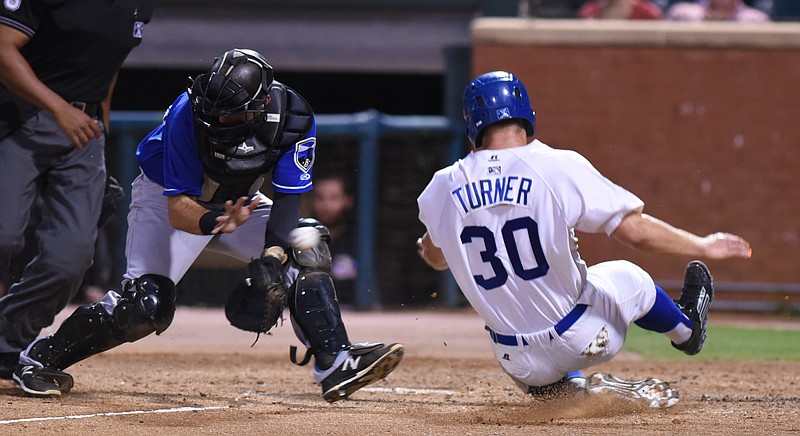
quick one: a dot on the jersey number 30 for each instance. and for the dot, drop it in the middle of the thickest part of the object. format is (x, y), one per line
(489, 254)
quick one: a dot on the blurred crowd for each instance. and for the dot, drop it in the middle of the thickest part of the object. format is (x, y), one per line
(752, 11)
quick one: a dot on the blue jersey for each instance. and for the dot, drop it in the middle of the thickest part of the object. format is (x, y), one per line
(169, 156)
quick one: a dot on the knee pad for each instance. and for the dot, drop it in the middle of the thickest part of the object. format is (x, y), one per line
(318, 257)
(146, 306)
(314, 308)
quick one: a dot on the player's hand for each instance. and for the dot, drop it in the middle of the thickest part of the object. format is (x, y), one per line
(79, 127)
(431, 254)
(235, 215)
(725, 245)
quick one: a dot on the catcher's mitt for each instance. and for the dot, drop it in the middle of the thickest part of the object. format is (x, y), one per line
(257, 303)
(112, 195)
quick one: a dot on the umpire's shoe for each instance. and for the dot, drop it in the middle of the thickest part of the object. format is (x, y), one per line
(695, 300)
(366, 364)
(42, 382)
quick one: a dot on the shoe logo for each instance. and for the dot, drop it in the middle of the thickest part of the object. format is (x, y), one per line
(352, 362)
(506, 357)
(702, 303)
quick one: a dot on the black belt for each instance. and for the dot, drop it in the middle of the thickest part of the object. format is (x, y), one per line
(91, 109)
(560, 327)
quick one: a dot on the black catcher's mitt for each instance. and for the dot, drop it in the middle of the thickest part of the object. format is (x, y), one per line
(257, 303)
(111, 197)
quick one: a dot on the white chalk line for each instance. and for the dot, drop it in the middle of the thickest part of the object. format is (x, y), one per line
(413, 391)
(131, 412)
(402, 391)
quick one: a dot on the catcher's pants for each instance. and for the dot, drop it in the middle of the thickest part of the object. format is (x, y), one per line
(71, 198)
(153, 246)
(617, 294)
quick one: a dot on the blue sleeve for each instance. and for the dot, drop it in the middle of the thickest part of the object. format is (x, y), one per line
(183, 170)
(292, 173)
(168, 155)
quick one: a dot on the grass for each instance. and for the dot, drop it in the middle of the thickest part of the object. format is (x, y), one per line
(722, 343)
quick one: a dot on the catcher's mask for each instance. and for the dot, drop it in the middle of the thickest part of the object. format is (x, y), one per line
(229, 101)
(494, 97)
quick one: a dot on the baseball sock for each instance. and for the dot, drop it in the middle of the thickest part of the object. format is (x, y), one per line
(665, 317)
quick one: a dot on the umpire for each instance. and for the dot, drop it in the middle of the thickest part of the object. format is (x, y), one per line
(59, 61)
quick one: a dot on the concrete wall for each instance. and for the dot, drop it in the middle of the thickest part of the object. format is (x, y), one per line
(702, 121)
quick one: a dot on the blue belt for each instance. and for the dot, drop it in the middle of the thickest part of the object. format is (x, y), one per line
(560, 327)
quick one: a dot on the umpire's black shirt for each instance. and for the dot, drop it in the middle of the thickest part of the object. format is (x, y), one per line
(76, 47)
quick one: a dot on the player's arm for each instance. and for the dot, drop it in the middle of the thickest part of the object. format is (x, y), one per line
(650, 234)
(17, 75)
(283, 218)
(431, 254)
(187, 215)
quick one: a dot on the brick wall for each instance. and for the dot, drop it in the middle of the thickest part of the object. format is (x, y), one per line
(703, 126)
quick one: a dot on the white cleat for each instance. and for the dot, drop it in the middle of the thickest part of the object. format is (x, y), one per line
(655, 393)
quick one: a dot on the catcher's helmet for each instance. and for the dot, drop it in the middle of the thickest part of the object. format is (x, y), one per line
(237, 84)
(493, 97)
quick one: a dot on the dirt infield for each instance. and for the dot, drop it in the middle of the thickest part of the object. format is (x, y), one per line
(202, 377)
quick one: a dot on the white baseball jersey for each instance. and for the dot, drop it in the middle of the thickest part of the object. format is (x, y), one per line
(505, 221)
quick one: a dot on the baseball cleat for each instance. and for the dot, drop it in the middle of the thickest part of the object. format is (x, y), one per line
(572, 384)
(695, 300)
(653, 392)
(42, 382)
(366, 364)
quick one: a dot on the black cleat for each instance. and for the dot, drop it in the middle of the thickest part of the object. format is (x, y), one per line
(695, 300)
(42, 382)
(366, 364)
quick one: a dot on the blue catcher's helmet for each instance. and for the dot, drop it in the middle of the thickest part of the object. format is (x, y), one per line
(493, 97)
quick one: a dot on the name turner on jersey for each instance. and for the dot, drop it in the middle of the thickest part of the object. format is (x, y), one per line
(490, 192)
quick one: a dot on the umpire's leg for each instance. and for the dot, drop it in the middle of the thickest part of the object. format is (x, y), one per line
(71, 206)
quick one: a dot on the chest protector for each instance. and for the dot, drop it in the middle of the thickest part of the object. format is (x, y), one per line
(239, 171)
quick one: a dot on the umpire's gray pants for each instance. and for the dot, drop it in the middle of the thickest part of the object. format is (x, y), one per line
(71, 198)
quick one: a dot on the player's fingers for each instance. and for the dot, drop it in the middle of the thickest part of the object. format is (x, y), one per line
(229, 207)
(254, 204)
(95, 129)
(83, 138)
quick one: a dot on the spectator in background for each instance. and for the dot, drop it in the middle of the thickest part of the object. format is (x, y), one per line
(332, 205)
(716, 10)
(620, 10)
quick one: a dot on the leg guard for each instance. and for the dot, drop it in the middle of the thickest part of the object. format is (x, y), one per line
(313, 304)
(147, 305)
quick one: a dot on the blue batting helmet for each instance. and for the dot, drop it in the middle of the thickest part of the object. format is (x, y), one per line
(493, 97)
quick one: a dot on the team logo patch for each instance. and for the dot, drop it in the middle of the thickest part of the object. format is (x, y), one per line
(503, 113)
(496, 169)
(246, 148)
(137, 29)
(12, 5)
(305, 153)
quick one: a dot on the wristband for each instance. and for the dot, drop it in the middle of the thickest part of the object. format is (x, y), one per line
(209, 221)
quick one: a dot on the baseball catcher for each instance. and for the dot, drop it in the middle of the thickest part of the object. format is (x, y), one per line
(233, 128)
